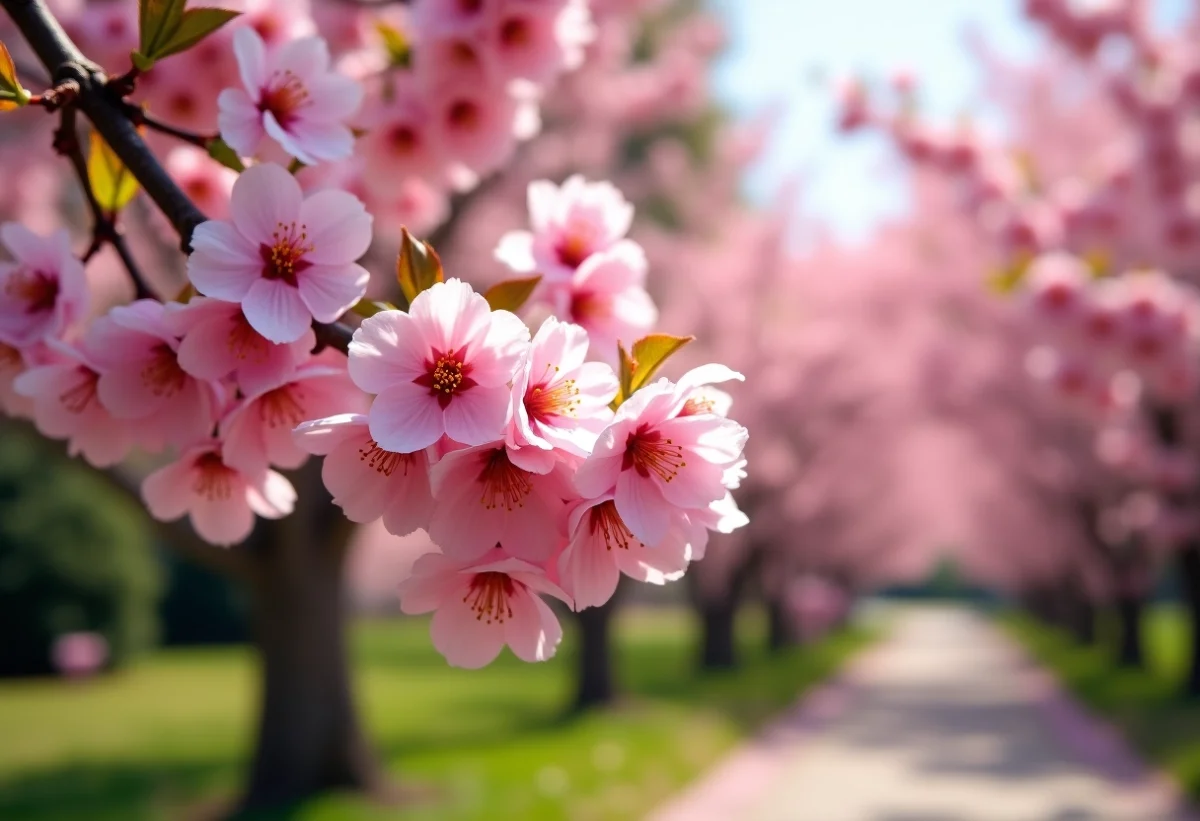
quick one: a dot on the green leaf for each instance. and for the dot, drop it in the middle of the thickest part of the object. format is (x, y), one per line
(296, 166)
(194, 26)
(12, 95)
(112, 183)
(635, 369)
(220, 151)
(366, 307)
(140, 60)
(398, 46)
(158, 20)
(1005, 279)
(511, 294)
(418, 266)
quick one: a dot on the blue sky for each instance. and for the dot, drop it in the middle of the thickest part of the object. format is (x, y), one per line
(777, 46)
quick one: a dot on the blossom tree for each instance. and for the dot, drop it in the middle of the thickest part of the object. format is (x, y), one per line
(544, 459)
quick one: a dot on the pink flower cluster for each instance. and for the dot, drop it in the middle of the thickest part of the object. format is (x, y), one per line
(505, 449)
(592, 274)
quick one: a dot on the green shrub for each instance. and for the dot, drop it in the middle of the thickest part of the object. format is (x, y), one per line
(75, 554)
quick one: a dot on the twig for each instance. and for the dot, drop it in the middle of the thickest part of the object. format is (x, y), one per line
(138, 116)
(104, 224)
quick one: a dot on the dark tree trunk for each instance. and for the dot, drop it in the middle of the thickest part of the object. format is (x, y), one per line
(1189, 577)
(782, 630)
(309, 736)
(596, 682)
(1129, 618)
(718, 649)
(1081, 618)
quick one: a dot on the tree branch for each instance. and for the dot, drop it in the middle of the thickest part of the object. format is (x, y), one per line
(65, 62)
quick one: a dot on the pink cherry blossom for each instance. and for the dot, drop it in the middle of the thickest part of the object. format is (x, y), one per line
(43, 290)
(560, 402)
(218, 341)
(535, 41)
(607, 297)
(656, 462)
(220, 499)
(366, 481)
(288, 259)
(602, 548)
(440, 18)
(258, 431)
(290, 96)
(570, 223)
(66, 405)
(13, 363)
(141, 379)
(482, 499)
(443, 368)
(479, 125)
(481, 605)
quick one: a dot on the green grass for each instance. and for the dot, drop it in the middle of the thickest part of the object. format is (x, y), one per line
(170, 734)
(1145, 705)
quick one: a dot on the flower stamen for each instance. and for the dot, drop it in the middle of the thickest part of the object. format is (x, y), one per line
(504, 484)
(646, 451)
(489, 595)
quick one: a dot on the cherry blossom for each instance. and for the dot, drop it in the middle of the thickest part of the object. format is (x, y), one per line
(443, 368)
(288, 259)
(141, 379)
(221, 500)
(366, 481)
(655, 462)
(217, 341)
(602, 547)
(570, 223)
(291, 97)
(560, 401)
(481, 605)
(259, 431)
(66, 405)
(43, 291)
(481, 499)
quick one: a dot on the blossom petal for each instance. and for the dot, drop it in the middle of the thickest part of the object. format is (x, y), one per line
(275, 310)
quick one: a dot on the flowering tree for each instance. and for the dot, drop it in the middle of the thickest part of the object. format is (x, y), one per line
(543, 463)
(1088, 211)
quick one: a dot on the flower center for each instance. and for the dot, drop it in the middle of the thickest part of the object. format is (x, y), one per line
(646, 451)
(604, 518)
(697, 404)
(214, 479)
(77, 398)
(515, 32)
(573, 249)
(37, 289)
(10, 359)
(283, 96)
(504, 484)
(470, 6)
(488, 597)
(161, 373)
(284, 257)
(545, 400)
(244, 342)
(586, 305)
(445, 375)
(385, 461)
(463, 114)
(463, 54)
(402, 140)
(282, 407)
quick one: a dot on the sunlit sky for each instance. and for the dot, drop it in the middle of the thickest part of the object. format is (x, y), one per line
(779, 47)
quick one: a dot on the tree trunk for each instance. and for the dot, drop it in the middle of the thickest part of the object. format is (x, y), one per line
(782, 631)
(718, 648)
(1129, 616)
(1189, 577)
(595, 684)
(1082, 619)
(309, 736)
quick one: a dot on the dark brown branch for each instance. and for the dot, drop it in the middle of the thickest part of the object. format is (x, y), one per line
(104, 225)
(64, 60)
(138, 116)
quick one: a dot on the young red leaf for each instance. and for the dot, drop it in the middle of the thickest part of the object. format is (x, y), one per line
(12, 95)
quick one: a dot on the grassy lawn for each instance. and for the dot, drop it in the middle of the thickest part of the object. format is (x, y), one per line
(169, 734)
(1145, 705)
